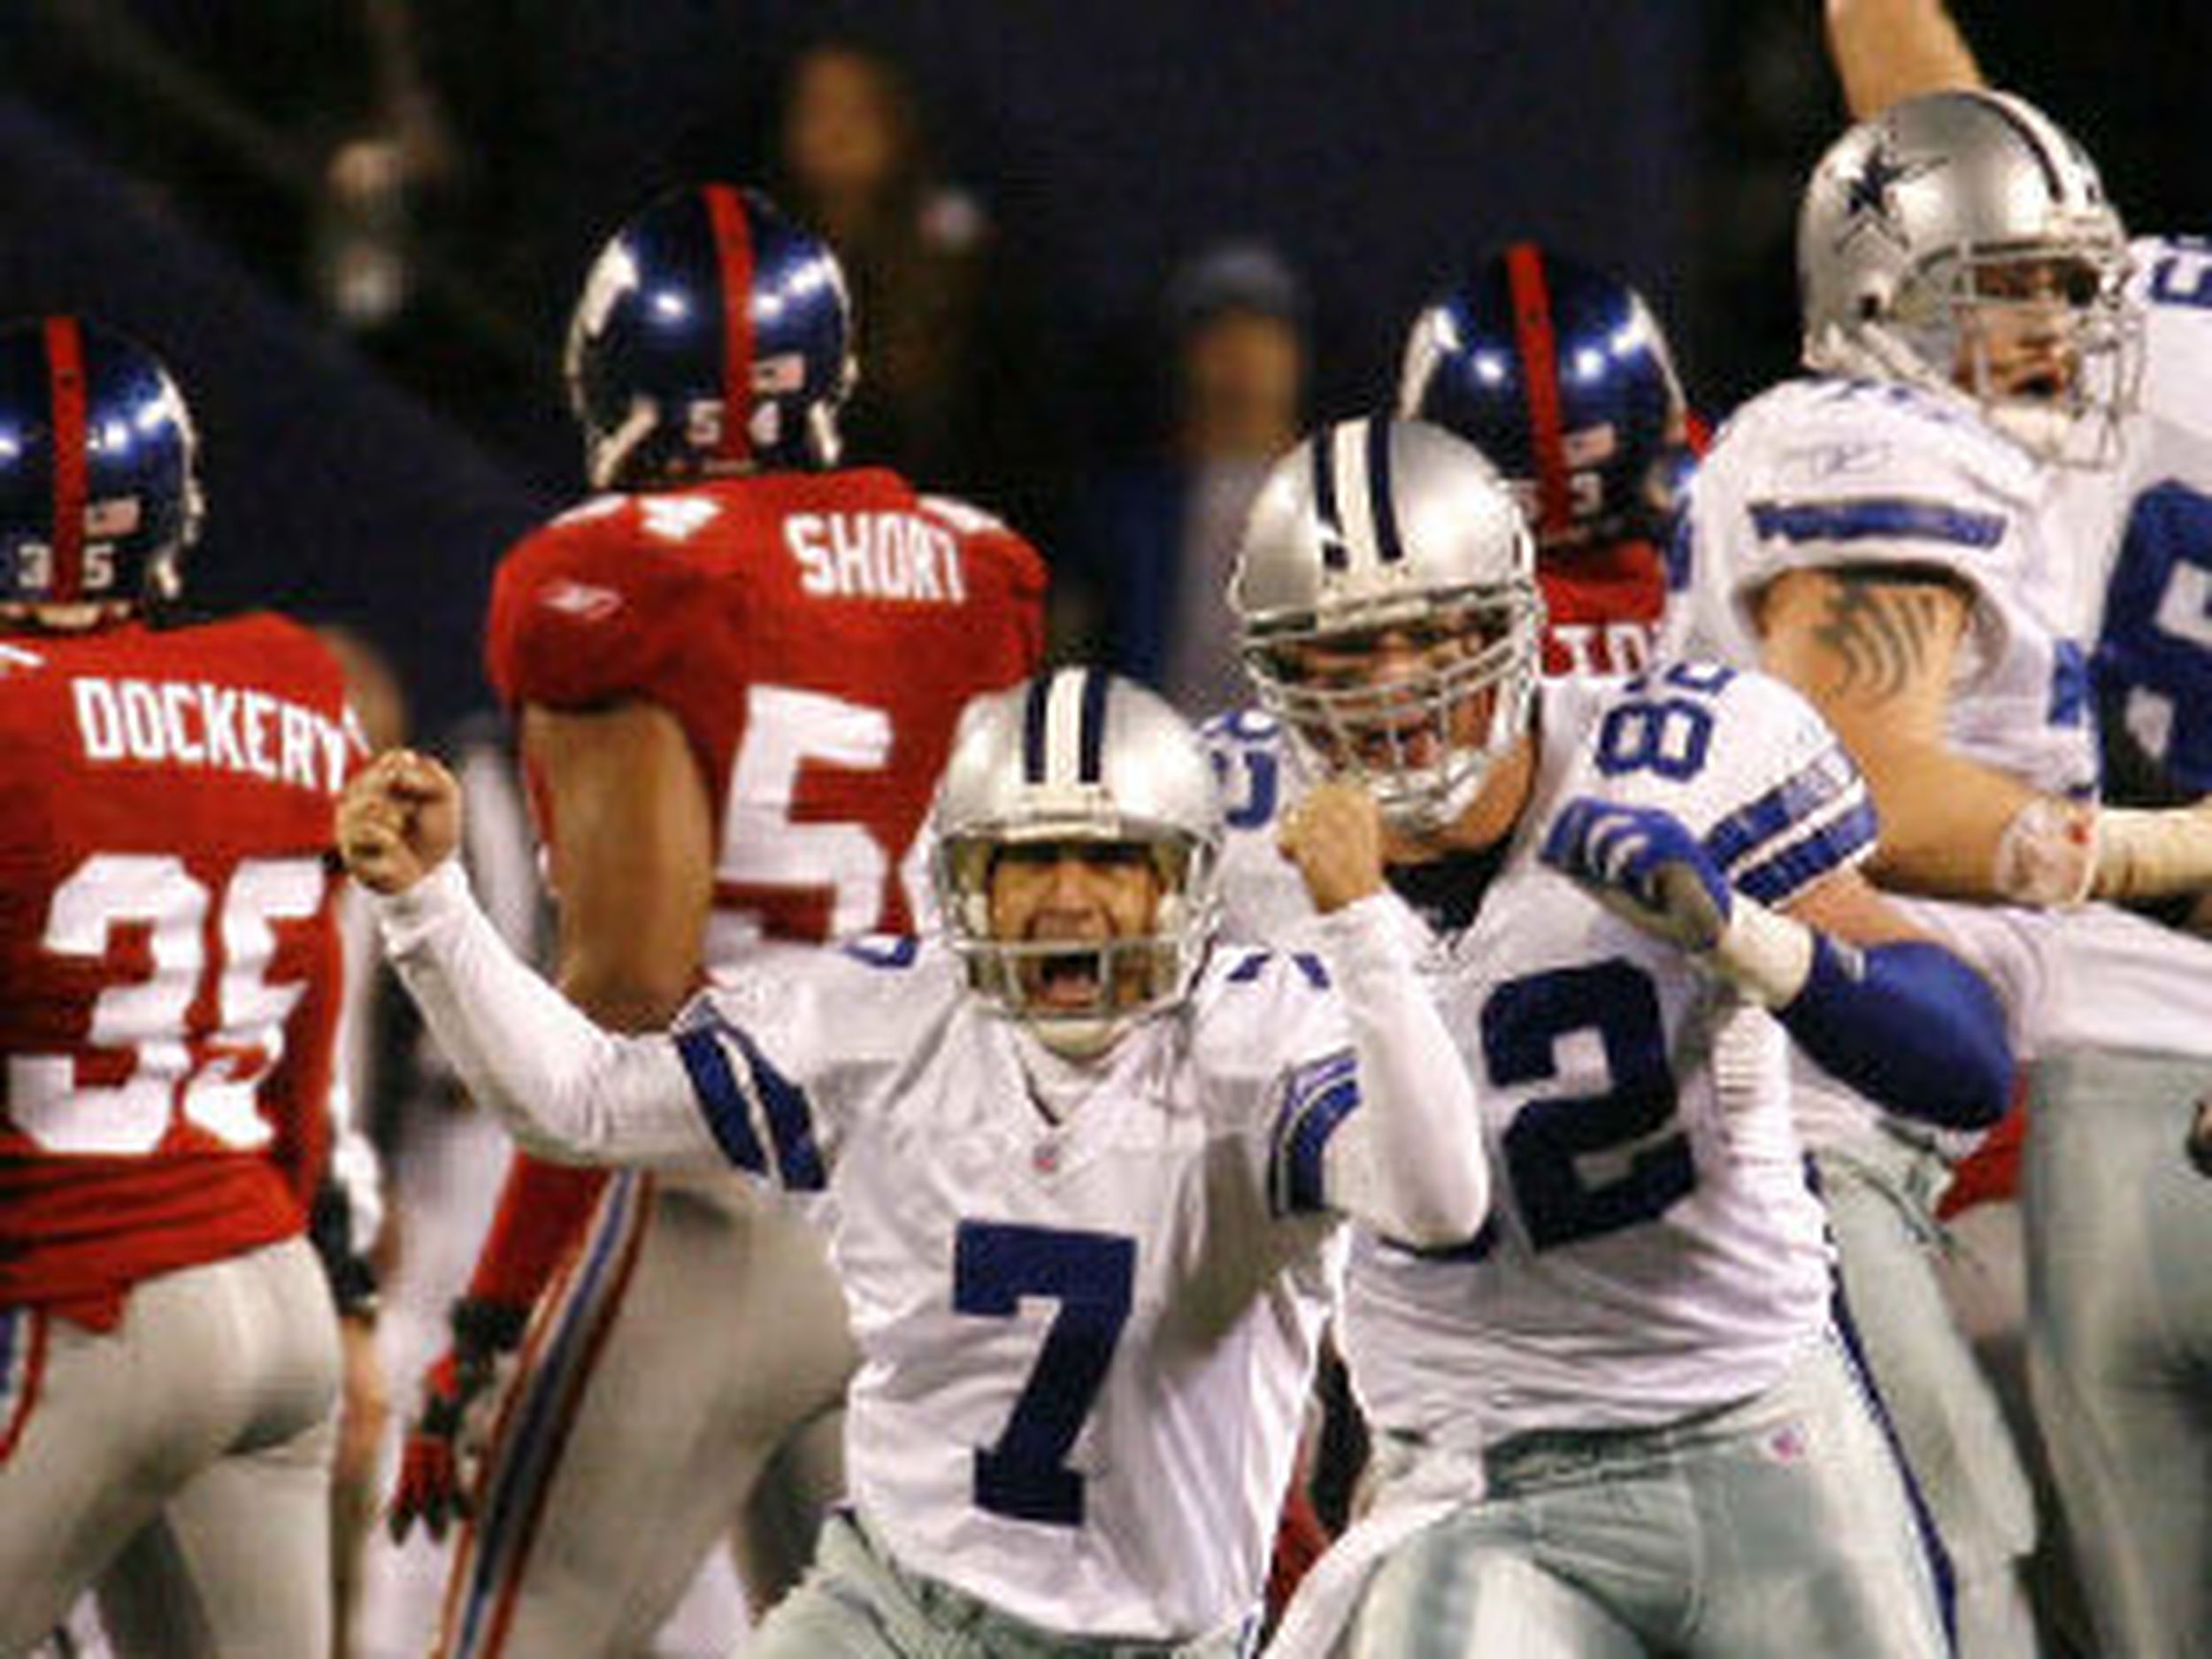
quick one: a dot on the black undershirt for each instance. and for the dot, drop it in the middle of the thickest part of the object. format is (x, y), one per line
(1446, 893)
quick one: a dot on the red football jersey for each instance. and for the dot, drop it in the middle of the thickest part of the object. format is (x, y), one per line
(817, 636)
(1602, 606)
(815, 633)
(169, 956)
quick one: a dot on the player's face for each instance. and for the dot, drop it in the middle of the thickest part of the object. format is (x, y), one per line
(2019, 336)
(1086, 894)
(1382, 685)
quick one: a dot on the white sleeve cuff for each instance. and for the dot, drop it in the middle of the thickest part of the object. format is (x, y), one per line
(440, 899)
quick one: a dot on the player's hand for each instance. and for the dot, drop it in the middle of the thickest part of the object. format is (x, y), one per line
(437, 1464)
(1643, 865)
(1334, 836)
(398, 819)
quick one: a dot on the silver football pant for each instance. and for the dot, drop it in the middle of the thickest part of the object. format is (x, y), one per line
(2119, 1230)
(1770, 1529)
(180, 1464)
(1881, 1193)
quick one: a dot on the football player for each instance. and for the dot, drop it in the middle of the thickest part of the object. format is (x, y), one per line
(169, 990)
(736, 672)
(1628, 891)
(1078, 1176)
(1917, 537)
(1560, 374)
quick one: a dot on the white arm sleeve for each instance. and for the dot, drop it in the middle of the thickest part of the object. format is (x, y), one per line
(565, 1089)
(1410, 1162)
(355, 1167)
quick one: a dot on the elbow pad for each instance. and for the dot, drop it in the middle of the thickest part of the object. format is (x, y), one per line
(1908, 1026)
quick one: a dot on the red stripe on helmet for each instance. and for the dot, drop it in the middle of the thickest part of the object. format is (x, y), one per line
(1539, 379)
(65, 387)
(734, 252)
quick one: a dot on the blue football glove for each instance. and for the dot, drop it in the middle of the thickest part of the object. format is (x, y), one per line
(1643, 865)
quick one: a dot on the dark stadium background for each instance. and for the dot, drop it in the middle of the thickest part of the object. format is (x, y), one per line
(160, 160)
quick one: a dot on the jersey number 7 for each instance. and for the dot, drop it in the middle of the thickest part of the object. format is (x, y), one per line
(1091, 1275)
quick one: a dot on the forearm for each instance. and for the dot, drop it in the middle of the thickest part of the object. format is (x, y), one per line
(1410, 1161)
(1944, 818)
(1905, 1022)
(565, 1088)
(1888, 50)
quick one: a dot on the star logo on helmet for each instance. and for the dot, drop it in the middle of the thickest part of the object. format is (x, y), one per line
(1867, 203)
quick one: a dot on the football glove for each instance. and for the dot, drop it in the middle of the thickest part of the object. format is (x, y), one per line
(1644, 867)
(437, 1464)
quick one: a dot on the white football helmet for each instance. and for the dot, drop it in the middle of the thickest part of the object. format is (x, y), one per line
(1963, 240)
(1379, 542)
(1080, 757)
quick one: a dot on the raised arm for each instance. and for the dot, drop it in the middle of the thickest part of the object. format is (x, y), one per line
(1410, 1161)
(565, 1088)
(1888, 50)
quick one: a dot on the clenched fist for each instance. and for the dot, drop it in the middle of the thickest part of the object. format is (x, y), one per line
(1334, 836)
(398, 819)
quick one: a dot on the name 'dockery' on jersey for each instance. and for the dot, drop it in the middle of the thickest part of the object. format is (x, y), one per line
(197, 723)
(876, 556)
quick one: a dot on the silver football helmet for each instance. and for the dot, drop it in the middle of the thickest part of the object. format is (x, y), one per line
(1388, 613)
(1961, 240)
(1081, 762)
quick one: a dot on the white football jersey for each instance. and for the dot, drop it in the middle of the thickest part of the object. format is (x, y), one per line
(1654, 1248)
(1823, 473)
(2172, 279)
(2154, 655)
(1085, 1344)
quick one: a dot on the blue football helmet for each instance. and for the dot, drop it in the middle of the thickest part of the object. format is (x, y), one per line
(99, 493)
(713, 336)
(1561, 375)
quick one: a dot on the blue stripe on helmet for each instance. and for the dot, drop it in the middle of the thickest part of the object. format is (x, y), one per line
(1034, 729)
(1381, 501)
(1091, 733)
(1334, 555)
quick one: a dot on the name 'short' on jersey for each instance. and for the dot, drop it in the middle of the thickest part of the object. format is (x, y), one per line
(876, 556)
(203, 725)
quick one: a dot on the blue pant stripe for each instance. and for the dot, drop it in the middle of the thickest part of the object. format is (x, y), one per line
(520, 1476)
